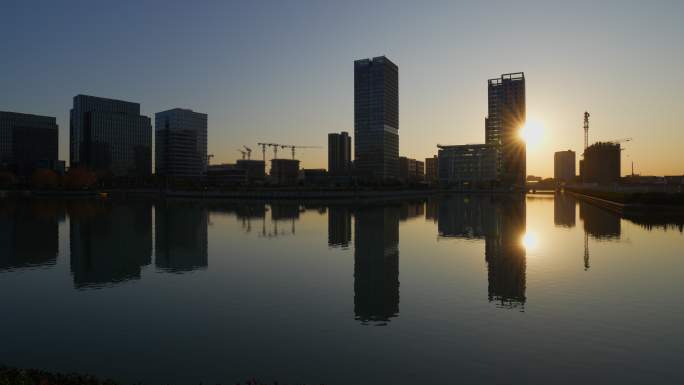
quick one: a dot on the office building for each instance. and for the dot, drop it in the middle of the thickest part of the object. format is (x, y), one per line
(111, 136)
(601, 163)
(470, 163)
(284, 171)
(376, 119)
(431, 169)
(507, 114)
(564, 166)
(411, 170)
(28, 142)
(339, 154)
(180, 143)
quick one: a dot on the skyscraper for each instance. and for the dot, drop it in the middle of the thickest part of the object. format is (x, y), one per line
(376, 118)
(180, 143)
(564, 166)
(27, 142)
(110, 135)
(507, 114)
(339, 153)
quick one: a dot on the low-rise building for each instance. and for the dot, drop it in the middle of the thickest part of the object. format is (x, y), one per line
(431, 169)
(226, 174)
(470, 163)
(411, 170)
(284, 171)
(256, 169)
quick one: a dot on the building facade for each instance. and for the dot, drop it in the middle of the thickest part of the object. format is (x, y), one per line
(28, 142)
(601, 163)
(470, 163)
(411, 170)
(431, 171)
(507, 115)
(111, 136)
(284, 171)
(339, 154)
(376, 119)
(180, 143)
(564, 166)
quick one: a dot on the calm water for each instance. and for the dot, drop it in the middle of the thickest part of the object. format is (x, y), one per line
(466, 289)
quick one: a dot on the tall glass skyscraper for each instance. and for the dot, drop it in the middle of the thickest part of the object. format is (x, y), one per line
(110, 135)
(502, 127)
(376, 119)
(180, 143)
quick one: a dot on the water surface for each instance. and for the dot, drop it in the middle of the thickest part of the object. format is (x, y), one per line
(461, 289)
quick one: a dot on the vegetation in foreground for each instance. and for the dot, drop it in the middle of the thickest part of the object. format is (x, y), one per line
(13, 376)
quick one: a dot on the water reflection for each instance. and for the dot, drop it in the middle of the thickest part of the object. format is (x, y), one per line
(599, 223)
(29, 234)
(501, 222)
(110, 243)
(564, 210)
(181, 236)
(376, 264)
(339, 226)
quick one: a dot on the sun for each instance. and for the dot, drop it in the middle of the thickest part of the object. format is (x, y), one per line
(532, 132)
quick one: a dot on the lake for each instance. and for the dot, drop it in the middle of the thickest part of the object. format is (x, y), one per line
(493, 289)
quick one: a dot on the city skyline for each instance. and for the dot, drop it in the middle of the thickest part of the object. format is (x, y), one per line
(568, 70)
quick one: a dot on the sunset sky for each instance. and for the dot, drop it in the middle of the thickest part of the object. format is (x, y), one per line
(282, 71)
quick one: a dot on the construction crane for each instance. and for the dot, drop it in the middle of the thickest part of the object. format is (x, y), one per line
(294, 146)
(209, 156)
(249, 152)
(244, 153)
(263, 149)
(618, 141)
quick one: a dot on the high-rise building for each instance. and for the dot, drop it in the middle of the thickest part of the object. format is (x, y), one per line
(339, 154)
(564, 166)
(601, 163)
(507, 114)
(180, 143)
(110, 135)
(28, 142)
(376, 119)
(431, 169)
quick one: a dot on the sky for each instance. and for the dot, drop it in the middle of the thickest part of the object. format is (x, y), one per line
(282, 71)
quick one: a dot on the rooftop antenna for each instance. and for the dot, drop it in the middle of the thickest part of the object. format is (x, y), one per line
(586, 130)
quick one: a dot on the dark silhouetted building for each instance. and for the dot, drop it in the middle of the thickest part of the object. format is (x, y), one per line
(28, 142)
(376, 264)
(110, 135)
(470, 163)
(181, 237)
(564, 210)
(339, 226)
(411, 170)
(601, 163)
(376, 119)
(431, 169)
(110, 243)
(226, 174)
(564, 166)
(284, 171)
(339, 154)
(255, 169)
(180, 143)
(506, 117)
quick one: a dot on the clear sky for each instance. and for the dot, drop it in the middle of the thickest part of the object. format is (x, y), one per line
(282, 71)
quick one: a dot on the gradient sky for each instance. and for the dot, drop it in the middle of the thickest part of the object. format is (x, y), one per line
(282, 71)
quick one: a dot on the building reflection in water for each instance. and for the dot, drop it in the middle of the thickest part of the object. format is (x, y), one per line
(181, 236)
(501, 221)
(339, 226)
(29, 233)
(110, 243)
(599, 223)
(564, 210)
(376, 264)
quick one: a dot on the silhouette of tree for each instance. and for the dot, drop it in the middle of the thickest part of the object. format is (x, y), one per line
(44, 178)
(79, 178)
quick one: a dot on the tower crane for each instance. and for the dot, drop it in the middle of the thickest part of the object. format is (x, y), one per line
(244, 153)
(294, 146)
(263, 149)
(249, 152)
